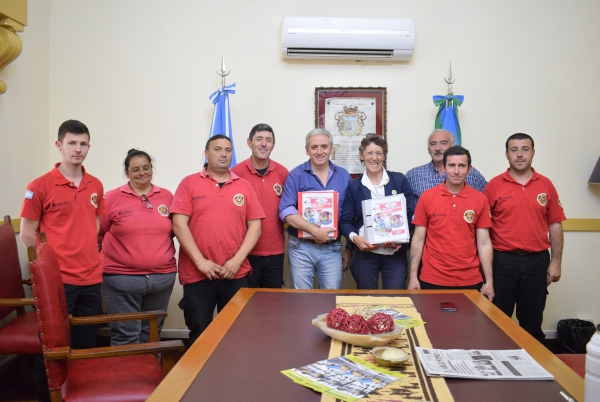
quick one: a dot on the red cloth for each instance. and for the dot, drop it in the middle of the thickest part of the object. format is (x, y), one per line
(67, 214)
(268, 188)
(137, 240)
(218, 218)
(521, 214)
(450, 252)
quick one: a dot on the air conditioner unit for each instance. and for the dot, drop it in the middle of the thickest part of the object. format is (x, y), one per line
(379, 39)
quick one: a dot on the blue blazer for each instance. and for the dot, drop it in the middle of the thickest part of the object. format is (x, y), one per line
(352, 214)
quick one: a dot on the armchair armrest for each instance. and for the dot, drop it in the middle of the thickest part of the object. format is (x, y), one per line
(104, 318)
(151, 316)
(166, 348)
(27, 301)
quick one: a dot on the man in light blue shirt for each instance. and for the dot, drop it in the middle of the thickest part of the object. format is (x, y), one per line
(431, 174)
(321, 255)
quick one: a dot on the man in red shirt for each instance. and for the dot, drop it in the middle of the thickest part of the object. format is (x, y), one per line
(451, 236)
(526, 221)
(267, 178)
(216, 218)
(66, 204)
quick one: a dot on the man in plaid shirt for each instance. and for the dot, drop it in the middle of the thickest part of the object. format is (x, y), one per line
(431, 174)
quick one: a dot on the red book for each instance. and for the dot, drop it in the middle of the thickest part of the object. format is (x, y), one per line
(319, 208)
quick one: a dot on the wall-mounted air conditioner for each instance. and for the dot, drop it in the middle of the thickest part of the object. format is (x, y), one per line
(379, 39)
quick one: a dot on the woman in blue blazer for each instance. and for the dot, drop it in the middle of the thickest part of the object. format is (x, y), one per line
(369, 260)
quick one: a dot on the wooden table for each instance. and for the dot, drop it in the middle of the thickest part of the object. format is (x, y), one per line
(263, 331)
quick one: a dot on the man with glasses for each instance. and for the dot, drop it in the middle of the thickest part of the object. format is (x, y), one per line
(216, 218)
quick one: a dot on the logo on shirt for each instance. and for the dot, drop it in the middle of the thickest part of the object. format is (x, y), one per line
(163, 210)
(542, 198)
(469, 215)
(560, 203)
(29, 194)
(94, 200)
(238, 200)
(278, 189)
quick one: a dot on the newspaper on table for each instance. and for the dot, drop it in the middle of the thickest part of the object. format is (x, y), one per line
(319, 208)
(481, 364)
(385, 220)
(346, 378)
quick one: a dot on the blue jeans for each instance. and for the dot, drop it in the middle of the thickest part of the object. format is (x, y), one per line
(132, 294)
(267, 271)
(521, 280)
(366, 266)
(200, 298)
(308, 258)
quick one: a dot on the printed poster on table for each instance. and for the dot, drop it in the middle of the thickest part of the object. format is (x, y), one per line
(349, 120)
(319, 208)
(385, 220)
(346, 378)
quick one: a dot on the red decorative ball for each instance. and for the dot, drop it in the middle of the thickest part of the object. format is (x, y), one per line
(380, 322)
(356, 324)
(336, 317)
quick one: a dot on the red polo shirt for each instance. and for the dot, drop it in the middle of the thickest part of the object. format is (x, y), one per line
(137, 240)
(450, 252)
(218, 217)
(67, 214)
(268, 188)
(521, 213)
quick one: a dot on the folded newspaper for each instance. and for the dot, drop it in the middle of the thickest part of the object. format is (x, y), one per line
(346, 378)
(481, 364)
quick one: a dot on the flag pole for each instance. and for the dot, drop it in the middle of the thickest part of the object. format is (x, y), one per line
(224, 72)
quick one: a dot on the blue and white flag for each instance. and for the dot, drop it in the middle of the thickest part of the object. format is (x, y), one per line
(221, 121)
(447, 116)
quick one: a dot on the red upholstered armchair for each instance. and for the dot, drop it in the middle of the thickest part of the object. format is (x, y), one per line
(116, 373)
(18, 336)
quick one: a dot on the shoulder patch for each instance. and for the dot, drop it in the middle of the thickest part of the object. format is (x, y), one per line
(29, 194)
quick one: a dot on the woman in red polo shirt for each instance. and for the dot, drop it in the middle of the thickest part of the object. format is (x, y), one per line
(138, 253)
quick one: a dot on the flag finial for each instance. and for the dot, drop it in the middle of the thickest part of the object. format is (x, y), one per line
(223, 72)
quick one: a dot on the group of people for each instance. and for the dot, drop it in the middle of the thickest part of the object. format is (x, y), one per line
(229, 222)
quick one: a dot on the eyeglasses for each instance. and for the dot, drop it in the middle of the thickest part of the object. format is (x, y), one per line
(145, 202)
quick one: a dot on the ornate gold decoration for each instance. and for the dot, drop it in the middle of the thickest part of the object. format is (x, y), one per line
(10, 47)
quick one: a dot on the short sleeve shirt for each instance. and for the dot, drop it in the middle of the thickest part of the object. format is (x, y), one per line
(218, 220)
(138, 240)
(521, 213)
(268, 188)
(67, 214)
(450, 251)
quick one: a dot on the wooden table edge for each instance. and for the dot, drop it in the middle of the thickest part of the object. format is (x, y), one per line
(178, 381)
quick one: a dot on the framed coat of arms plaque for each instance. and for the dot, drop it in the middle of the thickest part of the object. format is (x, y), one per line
(349, 114)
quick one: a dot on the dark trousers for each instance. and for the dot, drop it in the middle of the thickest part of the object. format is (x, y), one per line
(82, 301)
(267, 271)
(200, 298)
(366, 266)
(521, 280)
(430, 286)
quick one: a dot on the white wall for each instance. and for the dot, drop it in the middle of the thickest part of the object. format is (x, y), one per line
(139, 74)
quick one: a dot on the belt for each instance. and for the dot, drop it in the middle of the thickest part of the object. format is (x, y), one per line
(319, 244)
(520, 252)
